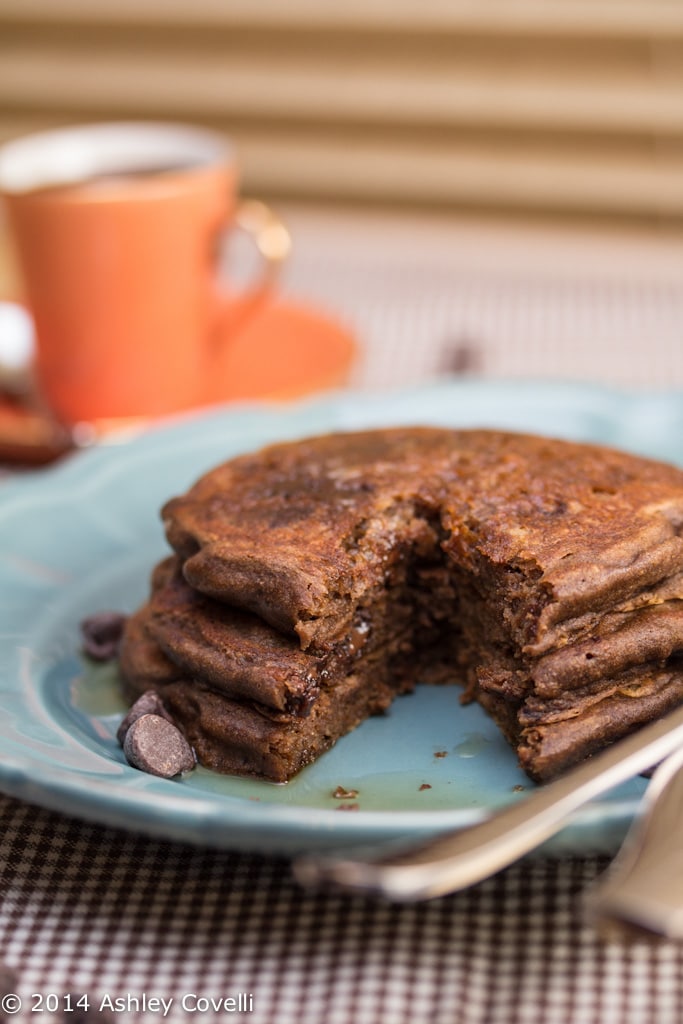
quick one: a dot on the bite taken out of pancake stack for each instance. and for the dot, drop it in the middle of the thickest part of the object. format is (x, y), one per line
(312, 582)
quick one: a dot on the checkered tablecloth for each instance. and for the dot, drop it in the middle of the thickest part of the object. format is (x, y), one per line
(149, 930)
(121, 918)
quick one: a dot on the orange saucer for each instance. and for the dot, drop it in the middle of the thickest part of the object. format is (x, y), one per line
(273, 350)
(279, 351)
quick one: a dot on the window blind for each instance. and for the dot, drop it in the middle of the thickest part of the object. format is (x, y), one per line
(564, 106)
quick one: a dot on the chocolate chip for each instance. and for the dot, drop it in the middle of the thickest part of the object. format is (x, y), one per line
(150, 703)
(102, 635)
(461, 355)
(154, 745)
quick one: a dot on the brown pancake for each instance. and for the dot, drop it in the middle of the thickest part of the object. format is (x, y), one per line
(233, 650)
(299, 533)
(244, 657)
(545, 575)
(245, 738)
(237, 739)
(230, 729)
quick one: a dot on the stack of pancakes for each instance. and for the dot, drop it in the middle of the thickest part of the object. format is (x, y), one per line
(313, 581)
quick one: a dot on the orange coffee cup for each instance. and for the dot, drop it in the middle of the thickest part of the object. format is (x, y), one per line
(117, 229)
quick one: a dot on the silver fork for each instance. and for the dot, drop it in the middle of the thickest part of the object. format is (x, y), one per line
(453, 861)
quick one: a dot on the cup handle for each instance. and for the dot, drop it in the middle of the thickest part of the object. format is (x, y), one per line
(270, 236)
(273, 243)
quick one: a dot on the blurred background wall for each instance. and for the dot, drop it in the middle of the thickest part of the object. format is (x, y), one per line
(560, 107)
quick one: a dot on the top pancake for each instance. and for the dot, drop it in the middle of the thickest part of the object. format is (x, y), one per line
(302, 533)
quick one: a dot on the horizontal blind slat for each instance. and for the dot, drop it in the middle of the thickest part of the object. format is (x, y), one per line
(418, 95)
(502, 124)
(616, 18)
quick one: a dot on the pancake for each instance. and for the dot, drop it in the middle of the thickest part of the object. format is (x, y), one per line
(238, 719)
(554, 529)
(543, 576)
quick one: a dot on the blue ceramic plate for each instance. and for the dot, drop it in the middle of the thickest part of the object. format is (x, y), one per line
(83, 537)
